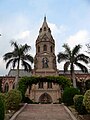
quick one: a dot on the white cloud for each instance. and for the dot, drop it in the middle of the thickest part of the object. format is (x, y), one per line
(81, 37)
(57, 29)
(23, 35)
(59, 34)
(17, 28)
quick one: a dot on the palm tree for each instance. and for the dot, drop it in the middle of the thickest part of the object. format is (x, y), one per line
(19, 56)
(72, 58)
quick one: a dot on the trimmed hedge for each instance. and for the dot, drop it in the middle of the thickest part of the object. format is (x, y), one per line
(78, 103)
(13, 99)
(86, 100)
(68, 95)
(2, 108)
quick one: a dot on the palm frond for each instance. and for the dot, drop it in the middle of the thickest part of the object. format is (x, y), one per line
(14, 62)
(14, 44)
(67, 49)
(82, 67)
(9, 62)
(62, 57)
(83, 58)
(29, 58)
(26, 66)
(66, 65)
(27, 47)
(7, 56)
(76, 50)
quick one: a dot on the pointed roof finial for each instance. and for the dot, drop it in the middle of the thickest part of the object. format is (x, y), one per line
(45, 18)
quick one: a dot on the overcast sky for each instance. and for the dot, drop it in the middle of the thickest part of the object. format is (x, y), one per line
(20, 20)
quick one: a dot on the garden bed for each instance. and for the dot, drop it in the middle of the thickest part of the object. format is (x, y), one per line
(79, 117)
(10, 113)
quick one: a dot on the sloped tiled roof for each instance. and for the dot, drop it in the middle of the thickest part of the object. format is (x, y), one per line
(68, 72)
(22, 73)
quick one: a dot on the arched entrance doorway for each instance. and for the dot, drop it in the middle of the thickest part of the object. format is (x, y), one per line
(45, 98)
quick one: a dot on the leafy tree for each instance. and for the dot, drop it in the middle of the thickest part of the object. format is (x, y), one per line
(17, 56)
(72, 58)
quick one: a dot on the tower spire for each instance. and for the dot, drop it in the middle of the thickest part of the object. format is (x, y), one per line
(45, 18)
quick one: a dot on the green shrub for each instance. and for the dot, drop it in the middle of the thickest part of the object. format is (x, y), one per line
(68, 95)
(13, 99)
(0, 85)
(87, 83)
(2, 109)
(78, 103)
(86, 100)
(3, 96)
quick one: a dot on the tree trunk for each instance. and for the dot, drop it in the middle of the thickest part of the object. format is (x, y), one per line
(17, 76)
(73, 75)
(74, 80)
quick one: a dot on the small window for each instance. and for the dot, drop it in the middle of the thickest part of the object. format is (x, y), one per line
(44, 28)
(49, 85)
(49, 30)
(6, 87)
(38, 48)
(51, 49)
(40, 85)
(44, 48)
(40, 29)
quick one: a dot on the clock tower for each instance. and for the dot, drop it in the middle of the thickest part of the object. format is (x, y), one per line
(45, 65)
(45, 59)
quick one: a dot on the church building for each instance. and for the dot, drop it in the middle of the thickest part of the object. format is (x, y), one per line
(44, 65)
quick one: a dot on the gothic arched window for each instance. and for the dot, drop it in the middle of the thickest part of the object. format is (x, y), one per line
(40, 85)
(45, 48)
(49, 85)
(38, 48)
(6, 87)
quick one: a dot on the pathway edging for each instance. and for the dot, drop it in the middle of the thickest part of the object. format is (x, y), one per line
(70, 113)
(18, 112)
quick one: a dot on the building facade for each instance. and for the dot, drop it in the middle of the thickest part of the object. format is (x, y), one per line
(45, 65)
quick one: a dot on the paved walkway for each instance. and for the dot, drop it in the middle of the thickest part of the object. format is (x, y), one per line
(44, 112)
